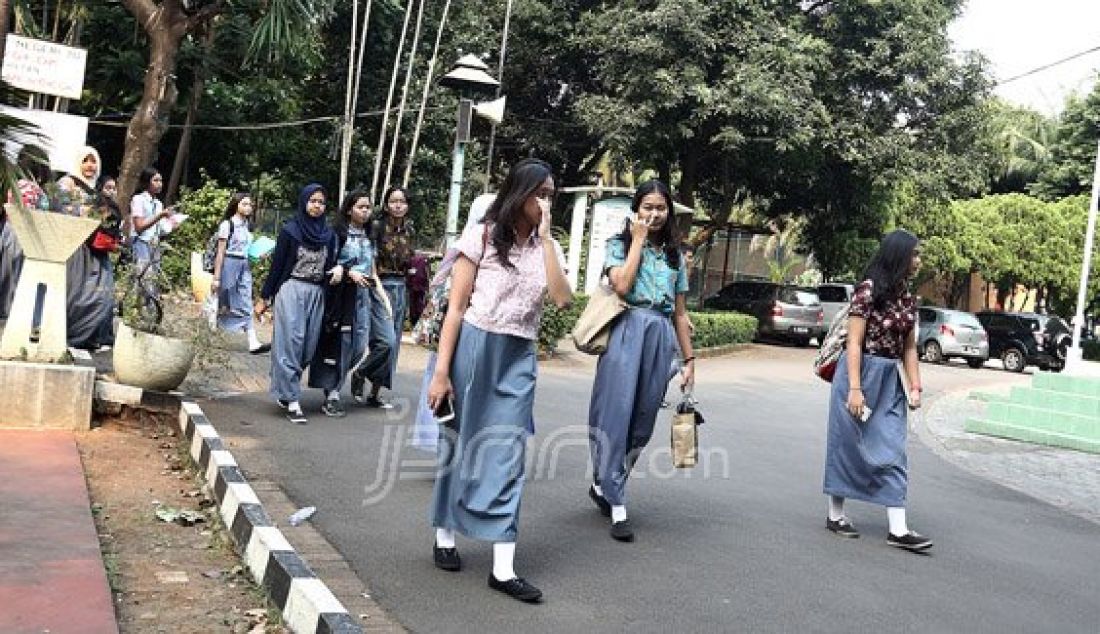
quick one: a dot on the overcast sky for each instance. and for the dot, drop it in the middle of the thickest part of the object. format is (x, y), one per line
(1020, 35)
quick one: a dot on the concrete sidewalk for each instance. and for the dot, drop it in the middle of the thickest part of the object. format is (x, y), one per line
(51, 572)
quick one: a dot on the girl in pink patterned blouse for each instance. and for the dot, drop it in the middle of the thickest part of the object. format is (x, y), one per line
(865, 452)
(486, 367)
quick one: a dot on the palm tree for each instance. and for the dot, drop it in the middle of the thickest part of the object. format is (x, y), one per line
(779, 248)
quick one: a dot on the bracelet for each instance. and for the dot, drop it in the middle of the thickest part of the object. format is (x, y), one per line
(688, 359)
(855, 389)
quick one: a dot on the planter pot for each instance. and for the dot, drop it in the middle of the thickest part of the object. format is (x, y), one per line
(151, 362)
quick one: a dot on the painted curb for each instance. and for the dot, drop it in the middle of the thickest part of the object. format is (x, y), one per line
(305, 601)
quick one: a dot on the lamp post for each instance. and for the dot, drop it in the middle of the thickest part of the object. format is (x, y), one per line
(468, 75)
(1074, 356)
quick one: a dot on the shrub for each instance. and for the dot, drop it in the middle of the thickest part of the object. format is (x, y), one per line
(1091, 350)
(204, 208)
(559, 322)
(722, 329)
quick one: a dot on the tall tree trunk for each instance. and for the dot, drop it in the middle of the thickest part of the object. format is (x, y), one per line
(184, 149)
(5, 13)
(165, 25)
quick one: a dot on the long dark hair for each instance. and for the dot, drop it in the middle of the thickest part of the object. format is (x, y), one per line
(146, 178)
(668, 236)
(523, 180)
(380, 225)
(889, 268)
(234, 203)
(340, 223)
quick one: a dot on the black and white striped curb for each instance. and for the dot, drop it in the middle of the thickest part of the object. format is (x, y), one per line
(306, 603)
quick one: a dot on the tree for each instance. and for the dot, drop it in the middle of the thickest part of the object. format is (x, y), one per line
(1073, 153)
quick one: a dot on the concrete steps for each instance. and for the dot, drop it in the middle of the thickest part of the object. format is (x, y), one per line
(1056, 410)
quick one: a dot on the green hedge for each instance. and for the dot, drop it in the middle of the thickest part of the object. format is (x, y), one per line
(711, 328)
(1091, 350)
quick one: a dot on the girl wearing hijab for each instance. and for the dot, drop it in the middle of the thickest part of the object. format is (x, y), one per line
(303, 261)
(486, 367)
(232, 275)
(90, 278)
(646, 269)
(865, 454)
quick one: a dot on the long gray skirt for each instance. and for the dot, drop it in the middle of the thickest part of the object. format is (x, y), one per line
(299, 311)
(11, 264)
(631, 379)
(480, 471)
(867, 461)
(90, 282)
(235, 295)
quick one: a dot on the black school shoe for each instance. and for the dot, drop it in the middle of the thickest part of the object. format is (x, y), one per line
(842, 527)
(911, 541)
(601, 501)
(263, 349)
(447, 559)
(517, 588)
(622, 531)
(296, 415)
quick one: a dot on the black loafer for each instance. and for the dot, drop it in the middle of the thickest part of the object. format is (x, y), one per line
(263, 349)
(447, 559)
(622, 531)
(601, 501)
(517, 588)
(842, 527)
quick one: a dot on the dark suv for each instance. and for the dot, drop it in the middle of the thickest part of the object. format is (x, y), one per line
(1023, 339)
(782, 310)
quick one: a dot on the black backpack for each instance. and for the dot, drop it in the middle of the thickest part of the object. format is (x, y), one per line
(211, 254)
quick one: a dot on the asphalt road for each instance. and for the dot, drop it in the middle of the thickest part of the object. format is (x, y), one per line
(736, 544)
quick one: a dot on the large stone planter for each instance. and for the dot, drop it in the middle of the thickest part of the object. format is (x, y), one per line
(150, 361)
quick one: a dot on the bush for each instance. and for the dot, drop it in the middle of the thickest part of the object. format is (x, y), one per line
(722, 329)
(204, 208)
(1091, 350)
(559, 322)
(711, 328)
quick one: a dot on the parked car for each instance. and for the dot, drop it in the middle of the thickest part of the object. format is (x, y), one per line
(1023, 339)
(782, 310)
(945, 334)
(834, 297)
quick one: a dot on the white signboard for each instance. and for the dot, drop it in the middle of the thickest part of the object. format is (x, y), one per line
(44, 67)
(61, 135)
(608, 219)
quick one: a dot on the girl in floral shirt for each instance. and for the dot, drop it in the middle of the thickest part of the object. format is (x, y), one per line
(865, 456)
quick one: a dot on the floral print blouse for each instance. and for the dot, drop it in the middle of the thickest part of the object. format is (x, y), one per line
(395, 249)
(887, 329)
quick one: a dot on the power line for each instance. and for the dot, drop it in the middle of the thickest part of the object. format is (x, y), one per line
(1048, 66)
(255, 126)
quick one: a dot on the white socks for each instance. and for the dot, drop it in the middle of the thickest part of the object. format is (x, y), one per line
(253, 340)
(597, 489)
(618, 514)
(504, 553)
(444, 538)
(836, 507)
(896, 516)
(332, 395)
(294, 406)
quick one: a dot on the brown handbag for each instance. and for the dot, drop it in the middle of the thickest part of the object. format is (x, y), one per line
(593, 327)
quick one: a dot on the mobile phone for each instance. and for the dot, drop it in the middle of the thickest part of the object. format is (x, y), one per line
(445, 412)
(866, 415)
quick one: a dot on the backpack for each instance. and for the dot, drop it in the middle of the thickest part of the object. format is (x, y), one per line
(427, 330)
(210, 255)
(833, 346)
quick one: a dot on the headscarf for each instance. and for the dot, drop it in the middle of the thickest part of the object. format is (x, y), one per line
(310, 231)
(76, 172)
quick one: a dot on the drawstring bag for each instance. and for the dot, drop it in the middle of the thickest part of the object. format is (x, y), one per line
(685, 433)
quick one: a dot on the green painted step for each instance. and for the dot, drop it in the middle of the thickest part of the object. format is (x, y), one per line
(1030, 434)
(987, 397)
(1081, 386)
(1056, 401)
(1044, 419)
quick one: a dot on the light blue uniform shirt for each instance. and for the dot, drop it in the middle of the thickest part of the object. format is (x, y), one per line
(657, 283)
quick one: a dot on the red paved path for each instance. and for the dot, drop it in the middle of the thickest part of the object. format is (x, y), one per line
(51, 571)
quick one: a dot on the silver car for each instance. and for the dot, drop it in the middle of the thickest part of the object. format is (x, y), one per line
(944, 334)
(834, 297)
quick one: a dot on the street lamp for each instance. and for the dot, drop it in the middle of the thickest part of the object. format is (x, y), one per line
(469, 75)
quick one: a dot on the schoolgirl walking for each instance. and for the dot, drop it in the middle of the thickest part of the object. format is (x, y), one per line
(645, 267)
(232, 281)
(303, 262)
(486, 366)
(865, 455)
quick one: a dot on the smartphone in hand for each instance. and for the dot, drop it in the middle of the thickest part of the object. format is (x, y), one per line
(445, 412)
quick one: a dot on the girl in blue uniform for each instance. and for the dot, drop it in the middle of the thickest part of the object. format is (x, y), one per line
(645, 268)
(232, 273)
